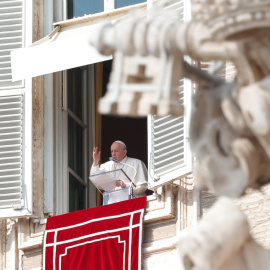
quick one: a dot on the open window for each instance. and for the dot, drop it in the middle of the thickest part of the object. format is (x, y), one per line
(82, 128)
(161, 143)
(132, 131)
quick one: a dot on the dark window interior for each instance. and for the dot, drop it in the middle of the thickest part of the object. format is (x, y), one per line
(132, 131)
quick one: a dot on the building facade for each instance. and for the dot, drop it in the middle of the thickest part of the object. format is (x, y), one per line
(50, 124)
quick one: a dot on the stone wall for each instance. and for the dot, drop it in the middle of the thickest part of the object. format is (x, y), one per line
(256, 206)
(32, 259)
(175, 208)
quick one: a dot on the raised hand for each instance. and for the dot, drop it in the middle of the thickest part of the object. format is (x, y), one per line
(96, 156)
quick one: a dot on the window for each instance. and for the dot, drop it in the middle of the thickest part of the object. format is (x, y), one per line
(77, 127)
(124, 3)
(78, 8)
(76, 131)
(77, 111)
(167, 142)
(15, 114)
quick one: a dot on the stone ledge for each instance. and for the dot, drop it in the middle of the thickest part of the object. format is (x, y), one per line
(159, 246)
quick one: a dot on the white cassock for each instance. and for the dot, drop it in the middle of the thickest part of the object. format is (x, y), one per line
(141, 175)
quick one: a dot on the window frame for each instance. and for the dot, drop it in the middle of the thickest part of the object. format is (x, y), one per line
(61, 141)
(108, 6)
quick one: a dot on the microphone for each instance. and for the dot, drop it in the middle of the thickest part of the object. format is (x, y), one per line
(118, 161)
(113, 159)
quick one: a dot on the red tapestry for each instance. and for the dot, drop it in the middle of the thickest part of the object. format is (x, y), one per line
(104, 237)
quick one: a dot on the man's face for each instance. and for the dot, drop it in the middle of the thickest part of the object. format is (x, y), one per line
(117, 151)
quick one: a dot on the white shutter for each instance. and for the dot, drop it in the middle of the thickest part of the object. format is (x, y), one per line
(11, 38)
(15, 116)
(169, 152)
(169, 155)
(11, 138)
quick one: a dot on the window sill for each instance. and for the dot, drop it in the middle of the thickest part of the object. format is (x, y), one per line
(160, 206)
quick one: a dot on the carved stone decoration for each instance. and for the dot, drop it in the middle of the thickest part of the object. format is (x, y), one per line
(146, 58)
(230, 124)
(221, 243)
(224, 154)
(230, 133)
(257, 117)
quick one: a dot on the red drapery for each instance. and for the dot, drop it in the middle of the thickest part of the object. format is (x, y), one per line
(105, 237)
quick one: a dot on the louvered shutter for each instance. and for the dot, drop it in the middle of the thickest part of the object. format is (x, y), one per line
(11, 38)
(15, 118)
(168, 143)
(11, 116)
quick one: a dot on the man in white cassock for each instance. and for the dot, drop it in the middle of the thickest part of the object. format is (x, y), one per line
(119, 152)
